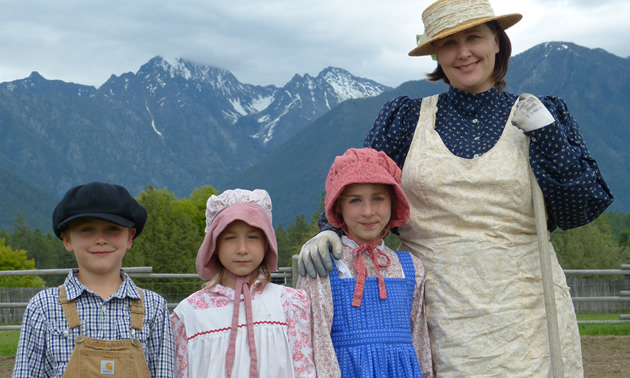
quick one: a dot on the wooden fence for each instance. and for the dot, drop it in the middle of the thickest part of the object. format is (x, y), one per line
(593, 295)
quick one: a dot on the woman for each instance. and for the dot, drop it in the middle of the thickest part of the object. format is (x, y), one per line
(465, 159)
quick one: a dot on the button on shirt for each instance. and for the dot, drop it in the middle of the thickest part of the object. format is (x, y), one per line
(471, 124)
(46, 342)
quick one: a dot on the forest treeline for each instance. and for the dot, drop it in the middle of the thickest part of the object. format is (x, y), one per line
(176, 227)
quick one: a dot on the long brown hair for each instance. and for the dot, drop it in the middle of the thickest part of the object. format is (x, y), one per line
(501, 62)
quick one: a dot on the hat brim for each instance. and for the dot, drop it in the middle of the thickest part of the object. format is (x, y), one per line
(505, 22)
(115, 219)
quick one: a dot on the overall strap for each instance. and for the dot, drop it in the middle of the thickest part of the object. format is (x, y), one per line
(69, 308)
(409, 270)
(407, 264)
(333, 275)
(137, 311)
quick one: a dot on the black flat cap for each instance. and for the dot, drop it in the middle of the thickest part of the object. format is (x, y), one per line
(98, 200)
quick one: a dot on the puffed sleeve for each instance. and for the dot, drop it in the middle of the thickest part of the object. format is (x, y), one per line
(181, 346)
(297, 308)
(322, 312)
(393, 129)
(569, 178)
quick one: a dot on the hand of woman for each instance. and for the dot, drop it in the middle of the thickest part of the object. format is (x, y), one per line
(530, 114)
(315, 254)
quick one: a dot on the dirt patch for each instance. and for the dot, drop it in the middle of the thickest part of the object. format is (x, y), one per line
(6, 366)
(604, 356)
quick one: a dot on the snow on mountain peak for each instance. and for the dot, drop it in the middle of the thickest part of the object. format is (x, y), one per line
(347, 86)
(176, 67)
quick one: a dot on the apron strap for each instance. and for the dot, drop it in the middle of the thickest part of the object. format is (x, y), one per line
(137, 311)
(69, 308)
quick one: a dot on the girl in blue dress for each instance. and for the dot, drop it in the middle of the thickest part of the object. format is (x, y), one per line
(368, 314)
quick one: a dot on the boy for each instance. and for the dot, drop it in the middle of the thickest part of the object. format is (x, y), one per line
(98, 322)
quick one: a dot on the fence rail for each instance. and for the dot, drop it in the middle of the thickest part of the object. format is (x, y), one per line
(588, 295)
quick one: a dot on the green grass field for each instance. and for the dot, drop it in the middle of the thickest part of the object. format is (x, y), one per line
(603, 329)
(8, 342)
(9, 339)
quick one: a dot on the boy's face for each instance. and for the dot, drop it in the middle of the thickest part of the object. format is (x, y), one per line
(99, 246)
(241, 248)
(366, 210)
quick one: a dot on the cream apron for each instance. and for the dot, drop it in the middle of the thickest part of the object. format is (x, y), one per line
(95, 358)
(472, 225)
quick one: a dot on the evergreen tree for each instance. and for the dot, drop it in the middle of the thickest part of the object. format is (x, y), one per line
(170, 239)
(624, 244)
(618, 221)
(195, 206)
(47, 251)
(299, 233)
(588, 247)
(169, 242)
(284, 251)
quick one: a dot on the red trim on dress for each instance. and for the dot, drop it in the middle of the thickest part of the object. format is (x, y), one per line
(239, 326)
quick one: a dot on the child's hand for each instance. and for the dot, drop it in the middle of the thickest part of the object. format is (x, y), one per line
(315, 254)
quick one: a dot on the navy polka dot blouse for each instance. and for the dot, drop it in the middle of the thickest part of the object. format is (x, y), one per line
(471, 124)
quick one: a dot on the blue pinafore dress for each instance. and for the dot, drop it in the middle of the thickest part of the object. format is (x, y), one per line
(374, 340)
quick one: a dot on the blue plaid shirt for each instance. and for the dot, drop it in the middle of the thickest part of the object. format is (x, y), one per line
(471, 124)
(46, 342)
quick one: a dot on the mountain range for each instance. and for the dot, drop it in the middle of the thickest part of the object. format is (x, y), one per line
(180, 125)
(172, 124)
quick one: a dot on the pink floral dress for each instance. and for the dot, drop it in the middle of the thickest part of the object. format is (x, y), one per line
(281, 315)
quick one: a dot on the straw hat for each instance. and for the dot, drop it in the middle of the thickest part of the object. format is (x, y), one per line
(447, 17)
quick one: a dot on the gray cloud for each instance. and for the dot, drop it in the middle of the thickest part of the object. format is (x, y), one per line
(263, 42)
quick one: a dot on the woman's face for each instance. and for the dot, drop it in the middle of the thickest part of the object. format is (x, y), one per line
(467, 58)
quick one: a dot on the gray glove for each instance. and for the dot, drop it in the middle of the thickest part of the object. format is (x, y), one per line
(530, 114)
(314, 256)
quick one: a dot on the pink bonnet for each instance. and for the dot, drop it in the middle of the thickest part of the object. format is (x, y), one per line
(365, 166)
(251, 207)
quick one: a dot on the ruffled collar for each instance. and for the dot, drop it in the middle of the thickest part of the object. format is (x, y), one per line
(352, 244)
(254, 289)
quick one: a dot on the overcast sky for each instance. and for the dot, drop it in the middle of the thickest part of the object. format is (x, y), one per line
(267, 41)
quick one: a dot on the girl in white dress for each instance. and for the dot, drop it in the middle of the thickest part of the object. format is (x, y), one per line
(240, 324)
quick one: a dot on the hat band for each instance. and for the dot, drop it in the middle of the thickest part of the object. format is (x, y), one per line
(448, 14)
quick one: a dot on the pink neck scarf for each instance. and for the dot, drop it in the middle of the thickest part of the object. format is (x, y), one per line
(242, 287)
(359, 266)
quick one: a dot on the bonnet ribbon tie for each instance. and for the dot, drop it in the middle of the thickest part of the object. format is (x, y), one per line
(374, 254)
(242, 287)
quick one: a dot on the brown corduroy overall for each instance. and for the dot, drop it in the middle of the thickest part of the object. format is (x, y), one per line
(94, 357)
